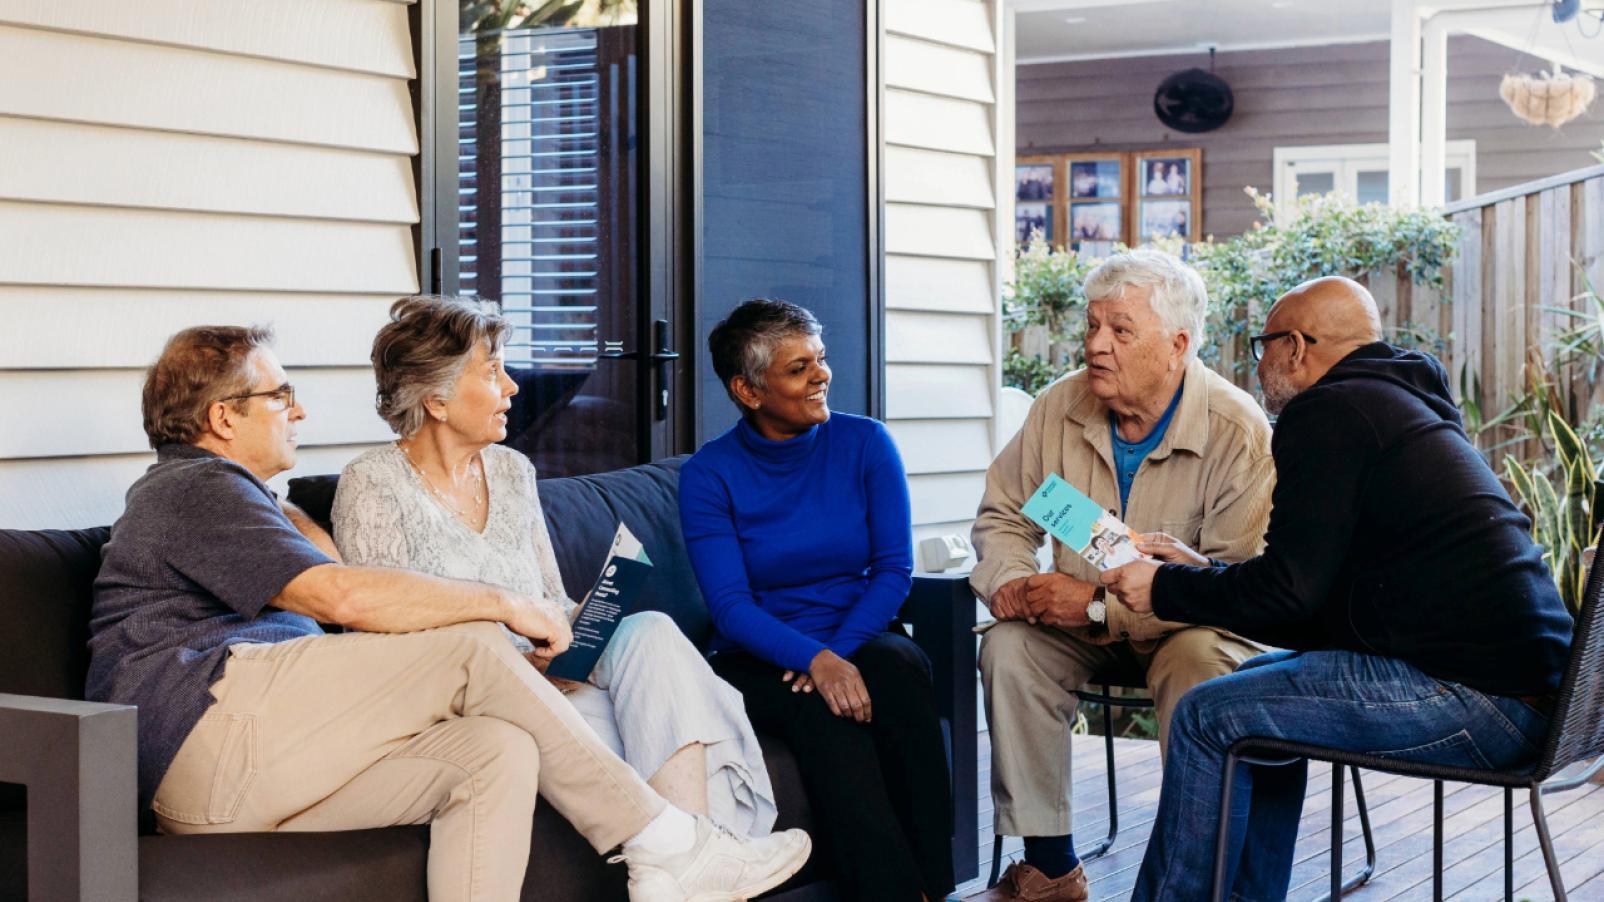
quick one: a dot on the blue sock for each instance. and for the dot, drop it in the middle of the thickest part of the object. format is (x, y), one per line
(1054, 856)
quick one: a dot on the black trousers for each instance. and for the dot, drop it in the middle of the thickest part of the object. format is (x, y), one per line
(881, 792)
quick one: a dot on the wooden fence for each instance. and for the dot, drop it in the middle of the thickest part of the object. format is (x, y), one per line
(1526, 253)
(1523, 250)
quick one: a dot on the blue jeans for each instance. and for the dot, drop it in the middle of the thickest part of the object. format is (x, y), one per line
(1339, 699)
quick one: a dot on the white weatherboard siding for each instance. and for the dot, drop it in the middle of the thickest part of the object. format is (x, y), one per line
(169, 163)
(943, 229)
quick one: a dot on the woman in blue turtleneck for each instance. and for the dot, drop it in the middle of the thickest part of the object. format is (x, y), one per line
(798, 528)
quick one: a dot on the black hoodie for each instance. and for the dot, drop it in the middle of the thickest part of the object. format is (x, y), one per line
(1389, 535)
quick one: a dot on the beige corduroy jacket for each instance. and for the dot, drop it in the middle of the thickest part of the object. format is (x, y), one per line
(1207, 483)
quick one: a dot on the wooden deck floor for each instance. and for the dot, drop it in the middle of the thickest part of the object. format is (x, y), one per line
(1400, 812)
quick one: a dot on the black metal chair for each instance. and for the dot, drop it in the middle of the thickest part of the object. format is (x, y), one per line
(1109, 680)
(1576, 734)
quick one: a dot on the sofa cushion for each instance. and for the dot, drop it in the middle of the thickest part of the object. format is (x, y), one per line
(583, 511)
(46, 585)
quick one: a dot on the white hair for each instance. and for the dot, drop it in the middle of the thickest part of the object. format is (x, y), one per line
(1178, 297)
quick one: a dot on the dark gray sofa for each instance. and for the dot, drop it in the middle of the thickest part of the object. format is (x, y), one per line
(68, 825)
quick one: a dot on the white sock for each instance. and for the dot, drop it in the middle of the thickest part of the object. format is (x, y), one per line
(669, 833)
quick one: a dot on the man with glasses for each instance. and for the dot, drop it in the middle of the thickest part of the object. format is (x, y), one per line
(1423, 623)
(206, 616)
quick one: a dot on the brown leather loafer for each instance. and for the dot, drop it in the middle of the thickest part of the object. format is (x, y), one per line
(1023, 883)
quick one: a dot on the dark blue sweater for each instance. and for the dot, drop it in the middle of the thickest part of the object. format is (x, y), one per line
(799, 545)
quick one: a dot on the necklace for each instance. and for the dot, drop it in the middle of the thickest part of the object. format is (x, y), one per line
(442, 497)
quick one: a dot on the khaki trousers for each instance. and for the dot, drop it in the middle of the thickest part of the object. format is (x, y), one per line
(450, 727)
(1030, 674)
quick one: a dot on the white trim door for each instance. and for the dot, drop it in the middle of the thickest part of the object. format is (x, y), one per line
(1359, 171)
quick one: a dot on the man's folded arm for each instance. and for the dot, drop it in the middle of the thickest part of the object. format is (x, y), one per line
(383, 600)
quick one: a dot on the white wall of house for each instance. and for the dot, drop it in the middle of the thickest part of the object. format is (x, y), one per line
(946, 87)
(168, 163)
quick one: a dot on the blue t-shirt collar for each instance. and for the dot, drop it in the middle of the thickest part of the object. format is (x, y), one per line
(1128, 456)
(1150, 441)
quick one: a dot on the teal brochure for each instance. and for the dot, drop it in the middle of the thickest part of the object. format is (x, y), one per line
(610, 600)
(1081, 525)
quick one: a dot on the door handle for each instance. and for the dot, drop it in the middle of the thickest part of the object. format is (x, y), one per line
(660, 359)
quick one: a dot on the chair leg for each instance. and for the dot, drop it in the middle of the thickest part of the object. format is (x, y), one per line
(1540, 820)
(1107, 842)
(1509, 844)
(1436, 841)
(1336, 831)
(1363, 877)
(996, 860)
(1222, 835)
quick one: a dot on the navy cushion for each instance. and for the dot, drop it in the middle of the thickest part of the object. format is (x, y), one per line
(46, 586)
(582, 513)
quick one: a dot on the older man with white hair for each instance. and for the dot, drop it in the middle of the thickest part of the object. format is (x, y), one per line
(1155, 437)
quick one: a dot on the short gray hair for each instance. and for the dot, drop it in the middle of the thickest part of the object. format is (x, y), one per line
(743, 344)
(419, 354)
(1179, 296)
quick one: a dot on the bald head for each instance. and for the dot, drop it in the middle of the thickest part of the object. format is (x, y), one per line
(1338, 312)
(1334, 316)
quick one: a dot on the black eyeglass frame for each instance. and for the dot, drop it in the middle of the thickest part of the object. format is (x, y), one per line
(287, 391)
(1257, 342)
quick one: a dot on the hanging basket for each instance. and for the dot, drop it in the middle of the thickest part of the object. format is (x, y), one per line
(1549, 98)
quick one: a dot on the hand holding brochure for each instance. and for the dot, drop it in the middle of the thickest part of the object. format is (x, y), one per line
(1081, 525)
(609, 601)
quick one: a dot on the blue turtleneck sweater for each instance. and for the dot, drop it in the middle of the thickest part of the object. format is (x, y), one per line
(799, 545)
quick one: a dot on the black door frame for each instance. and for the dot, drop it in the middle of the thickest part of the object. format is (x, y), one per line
(670, 262)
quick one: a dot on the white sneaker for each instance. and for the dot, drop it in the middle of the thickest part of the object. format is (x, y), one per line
(718, 867)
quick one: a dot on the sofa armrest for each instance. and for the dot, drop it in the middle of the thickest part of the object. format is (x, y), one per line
(78, 761)
(941, 611)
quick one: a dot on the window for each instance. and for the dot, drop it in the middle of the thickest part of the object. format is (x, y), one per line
(546, 219)
(1360, 171)
(620, 173)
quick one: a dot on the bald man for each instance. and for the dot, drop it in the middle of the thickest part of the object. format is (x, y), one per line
(1420, 619)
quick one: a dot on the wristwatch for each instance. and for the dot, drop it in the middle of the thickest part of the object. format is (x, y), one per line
(1097, 609)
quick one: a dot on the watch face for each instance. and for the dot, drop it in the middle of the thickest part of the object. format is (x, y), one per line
(1096, 611)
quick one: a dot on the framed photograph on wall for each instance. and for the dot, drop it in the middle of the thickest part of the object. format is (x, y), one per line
(1166, 176)
(1030, 218)
(1033, 181)
(1038, 198)
(1096, 222)
(1095, 179)
(1166, 219)
(1170, 197)
(1095, 213)
(1093, 202)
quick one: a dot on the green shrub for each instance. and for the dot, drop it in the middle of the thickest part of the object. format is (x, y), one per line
(1323, 236)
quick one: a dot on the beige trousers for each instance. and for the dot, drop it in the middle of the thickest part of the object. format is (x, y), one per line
(450, 727)
(1030, 674)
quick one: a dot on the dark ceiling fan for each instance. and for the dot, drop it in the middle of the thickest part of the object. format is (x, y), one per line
(1193, 100)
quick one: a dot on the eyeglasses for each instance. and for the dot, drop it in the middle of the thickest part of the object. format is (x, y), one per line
(1257, 342)
(284, 393)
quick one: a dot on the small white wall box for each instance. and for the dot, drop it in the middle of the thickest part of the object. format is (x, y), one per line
(939, 553)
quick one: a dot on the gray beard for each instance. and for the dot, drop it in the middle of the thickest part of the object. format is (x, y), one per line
(1278, 392)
